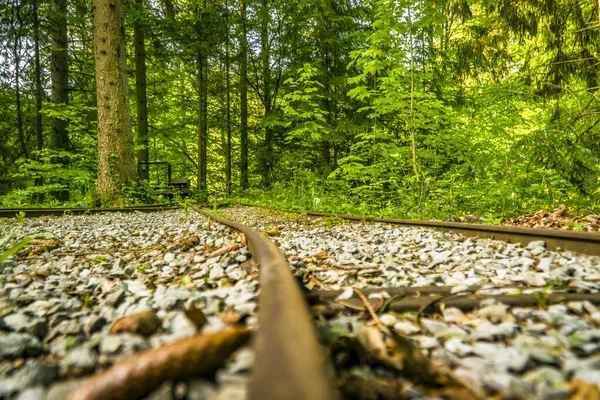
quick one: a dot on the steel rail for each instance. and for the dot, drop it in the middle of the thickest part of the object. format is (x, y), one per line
(41, 212)
(289, 364)
(579, 242)
(411, 301)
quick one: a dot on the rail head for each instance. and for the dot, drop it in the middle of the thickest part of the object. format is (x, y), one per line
(290, 363)
(579, 242)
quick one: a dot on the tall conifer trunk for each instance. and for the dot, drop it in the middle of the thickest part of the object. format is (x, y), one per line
(243, 99)
(141, 98)
(267, 153)
(202, 68)
(228, 89)
(39, 133)
(59, 70)
(116, 162)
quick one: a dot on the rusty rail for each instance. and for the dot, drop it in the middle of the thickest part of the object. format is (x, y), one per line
(289, 361)
(580, 242)
(41, 212)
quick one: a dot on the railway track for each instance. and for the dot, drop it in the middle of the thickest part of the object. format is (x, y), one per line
(290, 362)
(580, 242)
(41, 212)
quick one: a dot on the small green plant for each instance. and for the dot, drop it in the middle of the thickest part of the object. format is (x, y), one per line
(18, 246)
(186, 281)
(20, 216)
(87, 301)
(186, 205)
(542, 296)
(100, 258)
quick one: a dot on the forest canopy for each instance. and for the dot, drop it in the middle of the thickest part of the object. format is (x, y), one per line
(428, 108)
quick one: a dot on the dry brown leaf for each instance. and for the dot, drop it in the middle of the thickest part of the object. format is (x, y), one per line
(358, 304)
(312, 282)
(196, 356)
(197, 317)
(249, 266)
(453, 393)
(41, 245)
(272, 231)
(321, 255)
(189, 243)
(580, 390)
(144, 323)
(401, 354)
(224, 249)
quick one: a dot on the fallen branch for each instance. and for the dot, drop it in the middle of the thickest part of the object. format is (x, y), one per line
(199, 355)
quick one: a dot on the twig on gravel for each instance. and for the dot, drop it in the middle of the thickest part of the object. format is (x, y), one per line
(369, 307)
(199, 355)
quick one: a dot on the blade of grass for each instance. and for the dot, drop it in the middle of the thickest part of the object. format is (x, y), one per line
(18, 246)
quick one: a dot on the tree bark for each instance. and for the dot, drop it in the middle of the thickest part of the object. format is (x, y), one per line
(39, 134)
(228, 90)
(202, 116)
(116, 162)
(59, 70)
(243, 99)
(17, 53)
(202, 61)
(141, 98)
(267, 153)
(38, 79)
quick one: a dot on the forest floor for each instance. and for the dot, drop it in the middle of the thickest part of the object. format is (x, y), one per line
(62, 300)
(559, 218)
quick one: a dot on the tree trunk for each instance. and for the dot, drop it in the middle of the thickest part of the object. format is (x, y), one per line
(116, 162)
(59, 70)
(228, 90)
(141, 100)
(59, 75)
(39, 134)
(202, 64)
(38, 79)
(202, 115)
(17, 53)
(243, 100)
(267, 153)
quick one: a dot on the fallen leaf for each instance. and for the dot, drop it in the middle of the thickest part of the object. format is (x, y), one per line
(321, 255)
(273, 232)
(197, 317)
(44, 245)
(357, 304)
(144, 323)
(249, 266)
(134, 378)
(580, 390)
(189, 243)
(403, 355)
(224, 249)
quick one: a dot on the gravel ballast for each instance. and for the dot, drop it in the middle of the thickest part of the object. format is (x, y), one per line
(60, 300)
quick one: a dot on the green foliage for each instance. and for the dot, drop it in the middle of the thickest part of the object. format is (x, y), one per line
(305, 118)
(14, 249)
(498, 102)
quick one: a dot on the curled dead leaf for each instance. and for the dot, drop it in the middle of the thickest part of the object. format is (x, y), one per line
(223, 250)
(144, 323)
(197, 317)
(272, 231)
(189, 243)
(321, 255)
(196, 356)
(581, 390)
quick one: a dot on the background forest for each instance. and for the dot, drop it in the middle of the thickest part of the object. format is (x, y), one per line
(423, 108)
